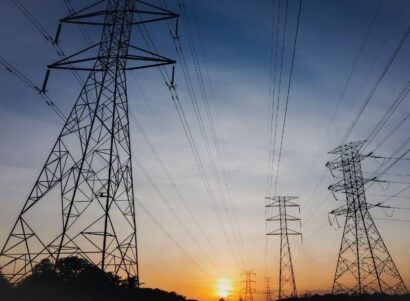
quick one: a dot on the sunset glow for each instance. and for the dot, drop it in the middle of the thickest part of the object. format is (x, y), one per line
(223, 288)
(214, 150)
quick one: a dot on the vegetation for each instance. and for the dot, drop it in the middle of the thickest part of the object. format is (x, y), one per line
(76, 279)
(341, 297)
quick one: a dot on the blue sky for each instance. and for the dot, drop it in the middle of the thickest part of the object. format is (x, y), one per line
(236, 40)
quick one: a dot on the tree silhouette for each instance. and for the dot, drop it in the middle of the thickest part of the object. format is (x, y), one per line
(5, 288)
(4, 284)
(74, 278)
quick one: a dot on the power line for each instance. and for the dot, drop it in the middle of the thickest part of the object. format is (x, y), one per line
(271, 103)
(396, 195)
(50, 103)
(279, 89)
(391, 174)
(188, 132)
(391, 182)
(375, 86)
(192, 144)
(97, 128)
(151, 46)
(389, 112)
(388, 158)
(274, 113)
(390, 134)
(52, 41)
(220, 175)
(84, 32)
(392, 220)
(362, 47)
(390, 196)
(174, 241)
(162, 165)
(288, 93)
(373, 174)
(10, 68)
(347, 83)
(317, 208)
(33, 21)
(381, 171)
(360, 233)
(162, 196)
(316, 231)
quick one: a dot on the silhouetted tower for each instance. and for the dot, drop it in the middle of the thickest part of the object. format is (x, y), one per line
(248, 291)
(280, 206)
(364, 264)
(268, 289)
(82, 203)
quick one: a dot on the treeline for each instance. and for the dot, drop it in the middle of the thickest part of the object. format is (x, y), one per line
(341, 297)
(74, 278)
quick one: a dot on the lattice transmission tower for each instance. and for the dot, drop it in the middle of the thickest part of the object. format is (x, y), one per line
(82, 203)
(268, 289)
(280, 206)
(248, 290)
(364, 265)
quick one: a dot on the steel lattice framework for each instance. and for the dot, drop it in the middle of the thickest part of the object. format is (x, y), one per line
(364, 264)
(248, 291)
(88, 173)
(287, 282)
(268, 290)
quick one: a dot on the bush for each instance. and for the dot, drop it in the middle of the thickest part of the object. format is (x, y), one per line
(74, 278)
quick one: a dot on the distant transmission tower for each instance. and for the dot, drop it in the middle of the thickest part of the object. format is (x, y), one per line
(268, 289)
(82, 203)
(280, 204)
(364, 265)
(248, 291)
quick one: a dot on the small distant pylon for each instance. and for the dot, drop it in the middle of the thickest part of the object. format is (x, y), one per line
(268, 289)
(287, 282)
(248, 290)
(364, 265)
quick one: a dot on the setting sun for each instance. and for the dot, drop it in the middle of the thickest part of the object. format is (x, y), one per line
(223, 288)
(205, 150)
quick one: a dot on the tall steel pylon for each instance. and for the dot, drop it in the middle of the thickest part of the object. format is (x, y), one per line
(248, 290)
(82, 203)
(364, 264)
(268, 289)
(280, 205)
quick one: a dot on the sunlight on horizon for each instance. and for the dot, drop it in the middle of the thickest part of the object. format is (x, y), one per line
(223, 288)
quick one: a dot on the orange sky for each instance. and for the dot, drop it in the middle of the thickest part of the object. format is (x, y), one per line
(314, 263)
(238, 51)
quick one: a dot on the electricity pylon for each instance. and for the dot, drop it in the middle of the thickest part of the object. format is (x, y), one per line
(364, 265)
(248, 291)
(287, 283)
(82, 203)
(268, 289)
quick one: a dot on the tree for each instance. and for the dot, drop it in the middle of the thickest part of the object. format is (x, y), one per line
(74, 278)
(4, 284)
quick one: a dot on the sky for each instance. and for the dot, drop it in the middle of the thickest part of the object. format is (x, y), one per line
(234, 44)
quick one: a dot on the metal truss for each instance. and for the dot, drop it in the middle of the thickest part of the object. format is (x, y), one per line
(248, 291)
(280, 204)
(364, 265)
(268, 289)
(88, 173)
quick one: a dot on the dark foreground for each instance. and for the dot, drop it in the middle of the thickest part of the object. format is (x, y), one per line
(77, 279)
(374, 297)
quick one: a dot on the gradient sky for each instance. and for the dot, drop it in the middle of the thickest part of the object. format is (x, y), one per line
(236, 40)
